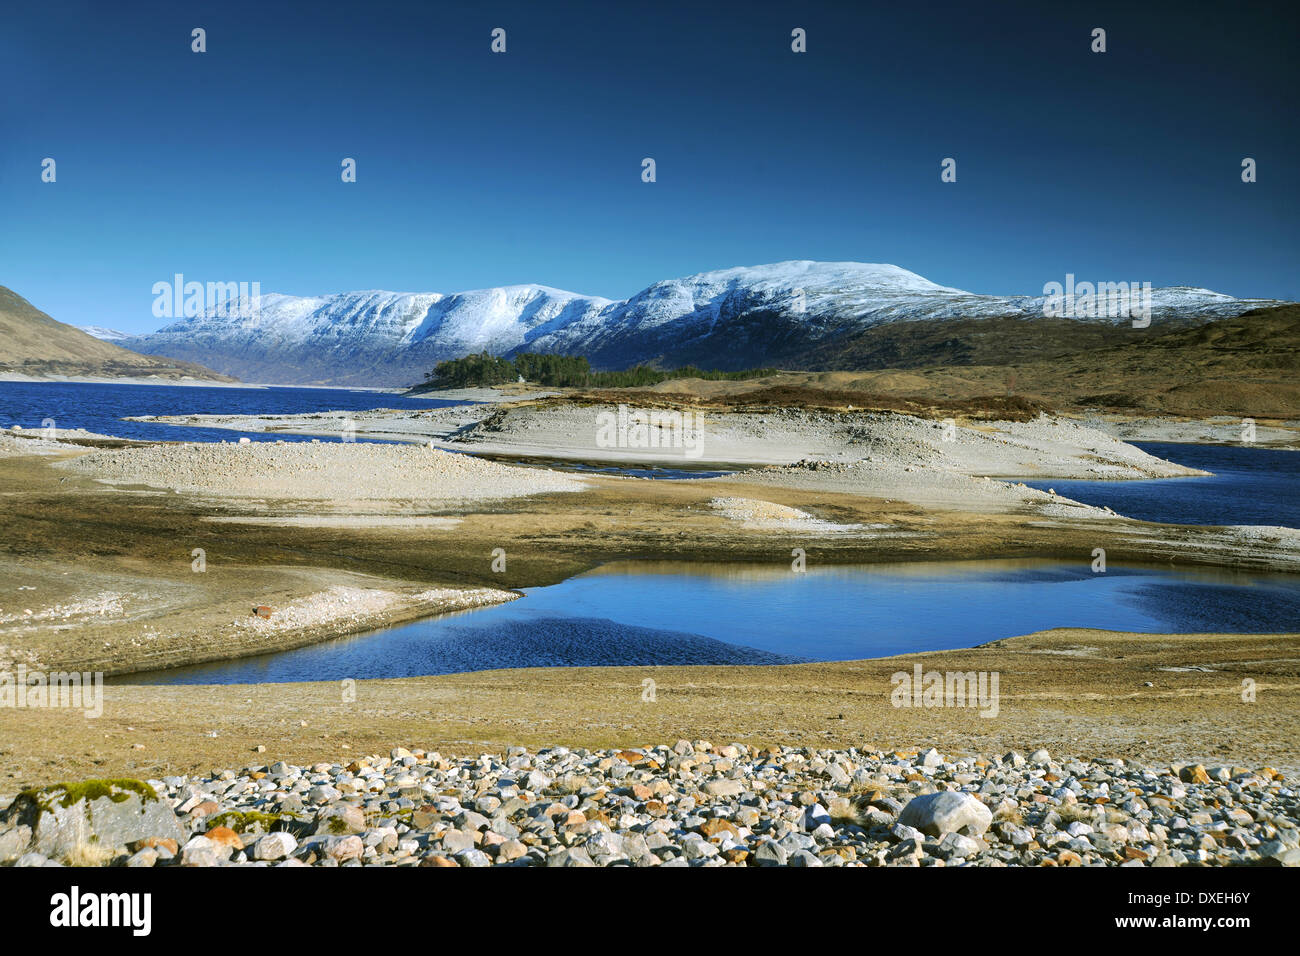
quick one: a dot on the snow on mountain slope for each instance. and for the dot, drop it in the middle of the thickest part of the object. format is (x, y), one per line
(729, 318)
(101, 333)
(735, 318)
(365, 337)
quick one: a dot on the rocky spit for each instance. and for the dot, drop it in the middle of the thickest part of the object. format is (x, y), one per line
(688, 804)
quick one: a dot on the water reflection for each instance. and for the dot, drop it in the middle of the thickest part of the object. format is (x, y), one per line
(686, 613)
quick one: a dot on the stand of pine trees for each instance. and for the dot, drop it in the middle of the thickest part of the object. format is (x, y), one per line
(561, 371)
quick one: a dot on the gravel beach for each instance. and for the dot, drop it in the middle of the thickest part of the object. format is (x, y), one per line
(330, 471)
(687, 804)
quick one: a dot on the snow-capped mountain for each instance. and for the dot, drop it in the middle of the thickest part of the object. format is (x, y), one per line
(750, 316)
(732, 318)
(366, 338)
(103, 334)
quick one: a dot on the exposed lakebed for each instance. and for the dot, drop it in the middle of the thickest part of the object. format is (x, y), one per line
(657, 613)
(693, 613)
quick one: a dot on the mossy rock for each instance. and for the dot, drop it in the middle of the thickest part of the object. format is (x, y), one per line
(251, 821)
(67, 817)
(119, 790)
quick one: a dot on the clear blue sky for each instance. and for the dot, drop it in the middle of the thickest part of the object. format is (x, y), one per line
(477, 169)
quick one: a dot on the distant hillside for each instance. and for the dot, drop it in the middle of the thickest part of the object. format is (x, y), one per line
(997, 340)
(33, 343)
(1244, 365)
(1247, 365)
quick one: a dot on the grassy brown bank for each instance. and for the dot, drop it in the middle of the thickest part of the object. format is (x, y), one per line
(1074, 691)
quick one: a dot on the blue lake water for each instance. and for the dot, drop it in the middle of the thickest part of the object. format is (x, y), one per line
(1249, 486)
(100, 408)
(647, 613)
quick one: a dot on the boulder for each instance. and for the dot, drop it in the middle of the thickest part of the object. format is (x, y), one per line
(200, 851)
(770, 853)
(569, 856)
(511, 850)
(724, 788)
(342, 848)
(340, 819)
(946, 812)
(105, 813)
(457, 841)
(814, 816)
(275, 846)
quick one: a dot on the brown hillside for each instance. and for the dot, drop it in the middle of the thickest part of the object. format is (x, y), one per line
(33, 343)
(1247, 365)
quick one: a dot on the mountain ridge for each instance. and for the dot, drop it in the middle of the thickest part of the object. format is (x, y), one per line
(728, 318)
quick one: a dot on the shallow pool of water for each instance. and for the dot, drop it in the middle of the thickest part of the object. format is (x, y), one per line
(647, 613)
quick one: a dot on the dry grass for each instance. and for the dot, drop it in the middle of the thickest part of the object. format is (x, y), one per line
(1076, 813)
(89, 854)
(1009, 814)
(979, 408)
(852, 809)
